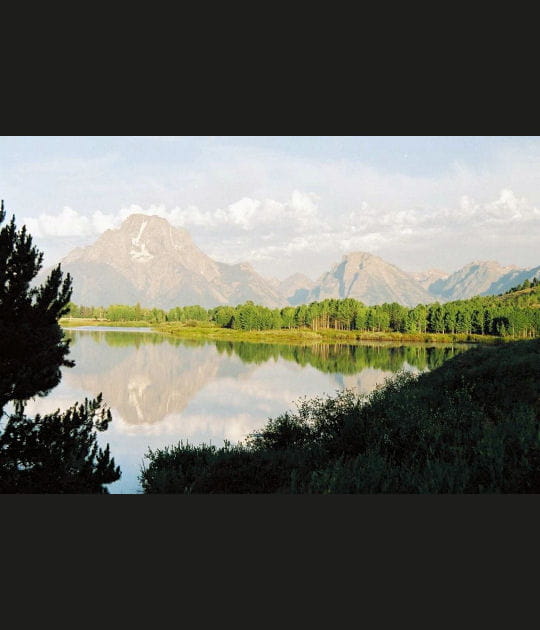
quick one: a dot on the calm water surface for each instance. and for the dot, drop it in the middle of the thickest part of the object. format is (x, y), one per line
(162, 390)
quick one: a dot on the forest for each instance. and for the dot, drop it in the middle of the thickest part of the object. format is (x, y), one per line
(513, 314)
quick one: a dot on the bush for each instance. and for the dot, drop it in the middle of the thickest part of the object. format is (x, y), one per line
(470, 426)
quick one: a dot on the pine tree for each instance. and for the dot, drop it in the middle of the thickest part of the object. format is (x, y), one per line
(32, 351)
(58, 452)
(32, 348)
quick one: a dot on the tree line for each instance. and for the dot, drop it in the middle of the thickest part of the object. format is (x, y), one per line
(507, 315)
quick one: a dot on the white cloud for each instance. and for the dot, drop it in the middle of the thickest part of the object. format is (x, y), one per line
(289, 213)
(276, 234)
(67, 222)
(299, 213)
(242, 213)
(102, 222)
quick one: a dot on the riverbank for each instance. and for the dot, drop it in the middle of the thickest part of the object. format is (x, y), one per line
(469, 426)
(325, 335)
(302, 336)
(75, 322)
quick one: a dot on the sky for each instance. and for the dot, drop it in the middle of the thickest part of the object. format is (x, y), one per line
(287, 204)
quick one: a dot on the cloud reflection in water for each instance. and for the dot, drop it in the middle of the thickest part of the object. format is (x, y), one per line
(162, 390)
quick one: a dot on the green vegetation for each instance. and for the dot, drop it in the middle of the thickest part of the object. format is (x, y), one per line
(344, 359)
(75, 322)
(527, 286)
(32, 348)
(510, 316)
(228, 334)
(120, 313)
(57, 452)
(470, 426)
(306, 336)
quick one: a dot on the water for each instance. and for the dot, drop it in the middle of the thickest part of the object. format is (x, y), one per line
(162, 390)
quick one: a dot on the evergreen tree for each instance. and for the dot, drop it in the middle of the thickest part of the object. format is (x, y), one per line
(32, 348)
(57, 452)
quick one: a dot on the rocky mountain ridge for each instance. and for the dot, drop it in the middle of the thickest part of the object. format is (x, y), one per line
(149, 261)
(371, 280)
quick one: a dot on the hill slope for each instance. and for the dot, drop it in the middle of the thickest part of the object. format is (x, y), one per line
(512, 279)
(480, 278)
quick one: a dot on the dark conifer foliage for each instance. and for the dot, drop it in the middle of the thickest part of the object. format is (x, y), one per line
(58, 452)
(55, 452)
(32, 347)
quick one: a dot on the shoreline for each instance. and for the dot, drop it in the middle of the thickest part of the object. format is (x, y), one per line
(328, 336)
(305, 336)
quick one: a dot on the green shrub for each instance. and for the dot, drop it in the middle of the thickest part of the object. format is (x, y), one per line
(471, 425)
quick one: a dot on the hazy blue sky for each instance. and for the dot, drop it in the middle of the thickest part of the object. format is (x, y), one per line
(287, 203)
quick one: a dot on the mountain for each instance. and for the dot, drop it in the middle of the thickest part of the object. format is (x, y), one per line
(149, 261)
(427, 278)
(513, 279)
(371, 280)
(296, 288)
(476, 278)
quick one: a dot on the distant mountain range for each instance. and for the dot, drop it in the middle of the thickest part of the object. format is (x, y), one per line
(149, 261)
(371, 280)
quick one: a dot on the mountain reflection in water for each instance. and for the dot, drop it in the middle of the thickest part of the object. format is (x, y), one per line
(162, 390)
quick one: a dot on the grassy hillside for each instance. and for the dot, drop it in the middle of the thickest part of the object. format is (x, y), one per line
(523, 297)
(470, 426)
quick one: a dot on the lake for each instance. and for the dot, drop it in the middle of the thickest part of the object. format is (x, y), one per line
(162, 390)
